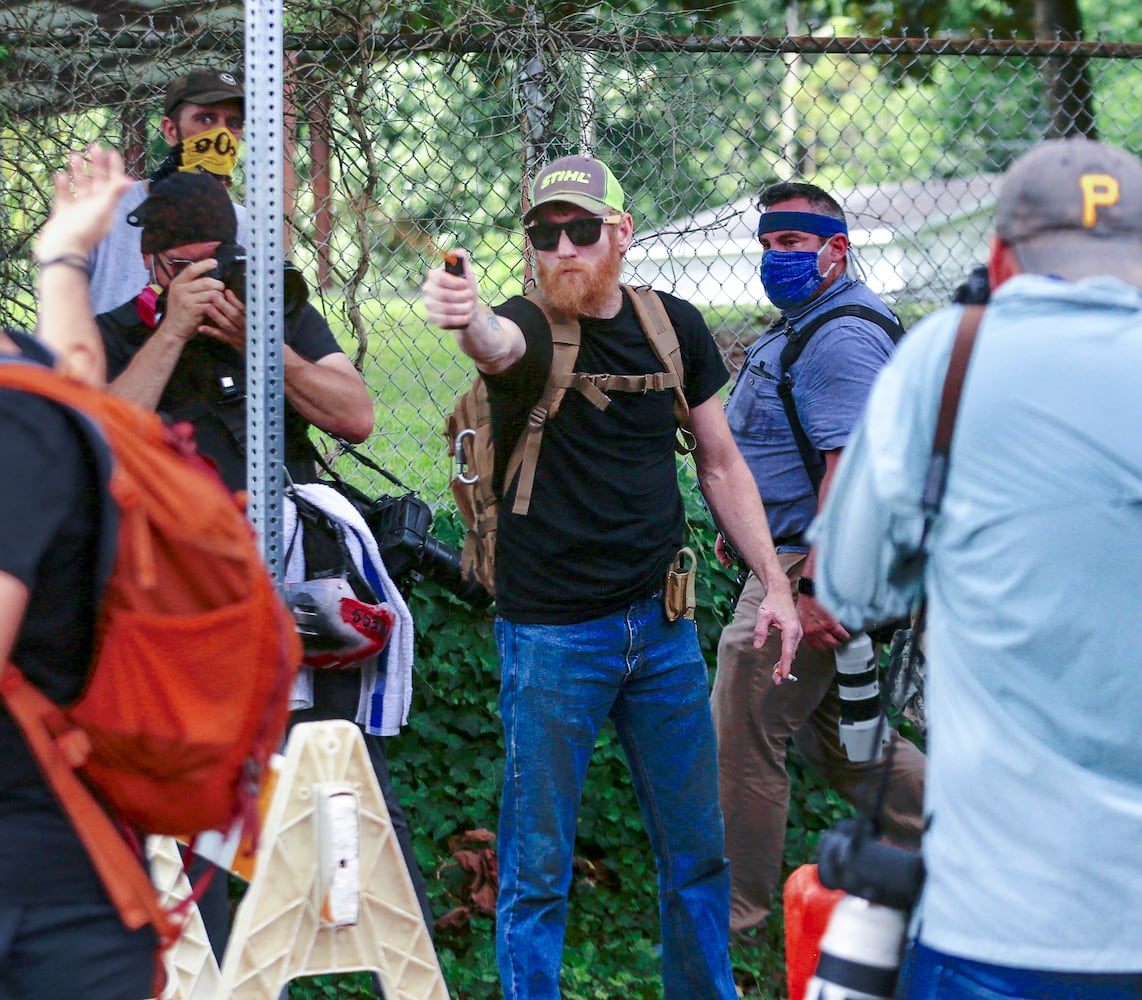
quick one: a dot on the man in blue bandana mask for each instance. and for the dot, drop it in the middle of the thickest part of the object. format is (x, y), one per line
(791, 274)
(805, 273)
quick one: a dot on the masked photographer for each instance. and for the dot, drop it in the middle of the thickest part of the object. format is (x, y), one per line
(178, 346)
(1029, 563)
(202, 125)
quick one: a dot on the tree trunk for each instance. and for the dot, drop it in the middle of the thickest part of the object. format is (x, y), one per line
(1070, 95)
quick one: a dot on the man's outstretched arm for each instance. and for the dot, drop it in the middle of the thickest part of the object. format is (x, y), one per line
(731, 492)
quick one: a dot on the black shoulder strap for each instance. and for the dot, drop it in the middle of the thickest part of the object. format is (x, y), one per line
(798, 339)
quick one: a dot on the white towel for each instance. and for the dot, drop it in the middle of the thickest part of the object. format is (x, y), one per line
(385, 702)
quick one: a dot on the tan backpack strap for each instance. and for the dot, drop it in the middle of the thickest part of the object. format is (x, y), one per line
(664, 341)
(565, 351)
(596, 387)
(60, 748)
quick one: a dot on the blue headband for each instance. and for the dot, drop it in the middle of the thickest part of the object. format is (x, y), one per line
(803, 222)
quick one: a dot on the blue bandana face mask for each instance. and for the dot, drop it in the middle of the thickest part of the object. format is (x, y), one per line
(791, 277)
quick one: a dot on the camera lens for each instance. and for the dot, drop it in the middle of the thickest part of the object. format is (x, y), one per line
(859, 688)
(860, 952)
(295, 292)
(443, 564)
(231, 271)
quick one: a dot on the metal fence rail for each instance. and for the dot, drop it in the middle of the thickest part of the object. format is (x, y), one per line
(404, 142)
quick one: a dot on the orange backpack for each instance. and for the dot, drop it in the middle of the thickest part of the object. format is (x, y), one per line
(195, 654)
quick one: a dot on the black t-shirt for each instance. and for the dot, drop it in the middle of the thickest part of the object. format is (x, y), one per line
(198, 390)
(50, 510)
(606, 515)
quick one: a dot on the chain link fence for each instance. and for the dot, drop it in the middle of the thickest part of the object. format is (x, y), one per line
(403, 143)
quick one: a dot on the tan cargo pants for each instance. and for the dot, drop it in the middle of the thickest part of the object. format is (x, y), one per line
(754, 720)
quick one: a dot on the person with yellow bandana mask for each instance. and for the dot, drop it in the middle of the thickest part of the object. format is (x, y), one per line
(203, 121)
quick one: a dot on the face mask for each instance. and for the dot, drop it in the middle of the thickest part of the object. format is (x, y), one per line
(791, 277)
(215, 151)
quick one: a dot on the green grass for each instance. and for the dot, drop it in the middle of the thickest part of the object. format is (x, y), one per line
(415, 372)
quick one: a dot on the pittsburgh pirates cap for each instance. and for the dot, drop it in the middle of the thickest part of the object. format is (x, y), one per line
(1073, 208)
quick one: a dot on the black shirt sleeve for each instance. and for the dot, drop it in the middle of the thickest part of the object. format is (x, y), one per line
(308, 333)
(49, 517)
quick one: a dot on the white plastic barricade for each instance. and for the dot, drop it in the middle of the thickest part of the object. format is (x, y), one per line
(329, 890)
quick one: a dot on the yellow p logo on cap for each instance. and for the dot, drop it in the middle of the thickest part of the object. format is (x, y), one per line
(1099, 191)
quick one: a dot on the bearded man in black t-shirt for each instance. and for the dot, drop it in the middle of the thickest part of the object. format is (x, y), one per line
(582, 631)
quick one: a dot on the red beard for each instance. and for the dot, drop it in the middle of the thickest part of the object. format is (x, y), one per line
(581, 289)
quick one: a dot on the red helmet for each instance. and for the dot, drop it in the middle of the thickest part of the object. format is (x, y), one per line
(337, 630)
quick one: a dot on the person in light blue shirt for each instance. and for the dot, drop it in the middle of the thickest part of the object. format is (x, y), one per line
(1033, 578)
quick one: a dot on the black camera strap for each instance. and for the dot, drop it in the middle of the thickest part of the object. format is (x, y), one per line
(909, 663)
(798, 339)
(347, 448)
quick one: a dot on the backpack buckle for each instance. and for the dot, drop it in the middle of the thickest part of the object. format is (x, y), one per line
(537, 417)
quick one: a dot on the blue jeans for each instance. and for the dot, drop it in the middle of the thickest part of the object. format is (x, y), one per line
(932, 975)
(560, 684)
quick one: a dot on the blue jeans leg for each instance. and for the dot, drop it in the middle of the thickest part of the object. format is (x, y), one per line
(933, 975)
(560, 683)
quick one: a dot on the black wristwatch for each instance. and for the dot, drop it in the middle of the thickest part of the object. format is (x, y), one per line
(806, 586)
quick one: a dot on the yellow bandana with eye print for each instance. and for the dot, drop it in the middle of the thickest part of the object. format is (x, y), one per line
(215, 152)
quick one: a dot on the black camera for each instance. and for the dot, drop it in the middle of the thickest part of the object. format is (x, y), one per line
(230, 269)
(975, 289)
(402, 525)
(864, 942)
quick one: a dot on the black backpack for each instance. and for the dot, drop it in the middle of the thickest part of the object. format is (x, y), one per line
(798, 339)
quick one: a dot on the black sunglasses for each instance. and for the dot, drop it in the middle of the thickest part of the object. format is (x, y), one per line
(581, 232)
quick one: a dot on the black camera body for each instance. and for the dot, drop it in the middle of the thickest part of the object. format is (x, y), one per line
(852, 859)
(975, 289)
(402, 527)
(230, 269)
